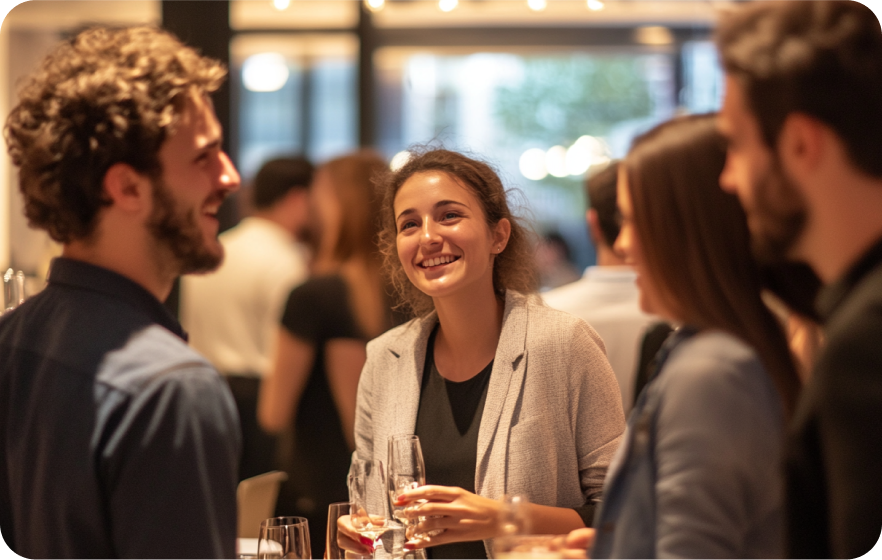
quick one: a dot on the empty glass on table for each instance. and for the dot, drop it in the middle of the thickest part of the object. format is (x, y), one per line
(284, 537)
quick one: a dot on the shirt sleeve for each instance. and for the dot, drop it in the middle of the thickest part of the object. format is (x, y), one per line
(172, 460)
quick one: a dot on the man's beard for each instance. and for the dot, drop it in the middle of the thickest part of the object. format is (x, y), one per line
(778, 217)
(179, 231)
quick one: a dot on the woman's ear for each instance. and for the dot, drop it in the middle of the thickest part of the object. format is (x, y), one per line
(501, 233)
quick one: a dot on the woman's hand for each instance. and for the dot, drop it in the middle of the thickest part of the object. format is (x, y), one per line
(349, 540)
(578, 542)
(448, 514)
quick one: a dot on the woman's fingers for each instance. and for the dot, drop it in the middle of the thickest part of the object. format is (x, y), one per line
(430, 492)
(349, 539)
(580, 538)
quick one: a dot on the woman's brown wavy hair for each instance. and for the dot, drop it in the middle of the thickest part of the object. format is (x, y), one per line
(696, 243)
(513, 268)
(106, 96)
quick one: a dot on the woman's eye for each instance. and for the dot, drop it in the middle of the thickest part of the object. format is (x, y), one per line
(405, 225)
(450, 215)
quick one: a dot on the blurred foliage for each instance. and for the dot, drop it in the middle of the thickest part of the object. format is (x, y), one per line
(561, 98)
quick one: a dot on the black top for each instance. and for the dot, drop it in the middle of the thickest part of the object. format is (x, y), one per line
(448, 421)
(118, 440)
(834, 453)
(317, 460)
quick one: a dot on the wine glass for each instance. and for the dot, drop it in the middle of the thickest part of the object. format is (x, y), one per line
(407, 470)
(335, 512)
(367, 493)
(284, 537)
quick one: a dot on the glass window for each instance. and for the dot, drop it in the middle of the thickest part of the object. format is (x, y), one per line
(297, 94)
(544, 118)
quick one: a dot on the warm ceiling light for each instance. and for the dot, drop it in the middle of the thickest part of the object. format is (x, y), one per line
(265, 72)
(654, 35)
(447, 5)
(595, 5)
(537, 5)
(375, 5)
(281, 5)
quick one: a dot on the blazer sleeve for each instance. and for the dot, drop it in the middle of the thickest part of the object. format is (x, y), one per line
(595, 409)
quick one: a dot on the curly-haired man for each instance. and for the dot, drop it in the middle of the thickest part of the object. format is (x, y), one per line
(803, 116)
(114, 433)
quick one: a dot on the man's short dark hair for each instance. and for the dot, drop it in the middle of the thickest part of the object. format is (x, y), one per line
(278, 176)
(600, 188)
(820, 58)
(107, 96)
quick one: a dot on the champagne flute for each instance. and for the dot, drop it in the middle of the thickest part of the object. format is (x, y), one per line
(407, 470)
(284, 537)
(367, 491)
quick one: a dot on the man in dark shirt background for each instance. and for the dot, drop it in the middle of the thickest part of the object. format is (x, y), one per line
(117, 439)
(803, 118)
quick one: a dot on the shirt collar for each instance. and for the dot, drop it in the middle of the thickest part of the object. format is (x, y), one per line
(832, 296)
(85, 276)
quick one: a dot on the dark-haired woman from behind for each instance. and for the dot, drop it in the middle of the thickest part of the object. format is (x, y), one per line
(506, 395)
(698, 474)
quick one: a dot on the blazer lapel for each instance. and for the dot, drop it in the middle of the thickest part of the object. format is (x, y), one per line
(408, 356)
(506, 379)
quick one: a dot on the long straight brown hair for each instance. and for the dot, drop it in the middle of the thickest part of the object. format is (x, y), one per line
(355, 254)
(696, 242)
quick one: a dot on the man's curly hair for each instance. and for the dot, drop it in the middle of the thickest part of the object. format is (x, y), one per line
(107, 96)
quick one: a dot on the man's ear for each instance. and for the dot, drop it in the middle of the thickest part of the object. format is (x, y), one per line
(594, 227)
(801, 145)
(127, 189)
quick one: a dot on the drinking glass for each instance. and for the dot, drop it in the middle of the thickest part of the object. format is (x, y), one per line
(407, 470)
(283, 537)
(367, 493)
(335, 512)
(13, 290)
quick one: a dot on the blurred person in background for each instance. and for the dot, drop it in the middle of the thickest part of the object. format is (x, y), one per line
(118, 440)
(506, 394)
(309, 395)
(802, 115)
(232, 315)
(606, 296)
(698, 473)
(554, 261)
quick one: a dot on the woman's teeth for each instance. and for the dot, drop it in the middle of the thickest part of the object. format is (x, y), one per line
(438, 260)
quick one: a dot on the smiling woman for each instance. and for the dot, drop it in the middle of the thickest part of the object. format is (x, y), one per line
(490, 422)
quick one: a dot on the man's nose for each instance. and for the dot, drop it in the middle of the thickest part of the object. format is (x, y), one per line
(229, 177)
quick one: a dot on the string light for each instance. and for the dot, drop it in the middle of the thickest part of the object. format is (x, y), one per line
(281, 5)
(595, 5)
(537, 5)
(375, 5)
(447, 5)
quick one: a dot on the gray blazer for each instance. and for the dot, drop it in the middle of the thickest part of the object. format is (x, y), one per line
(553, 415)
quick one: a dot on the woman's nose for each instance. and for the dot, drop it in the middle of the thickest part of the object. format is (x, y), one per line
(429, 234)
